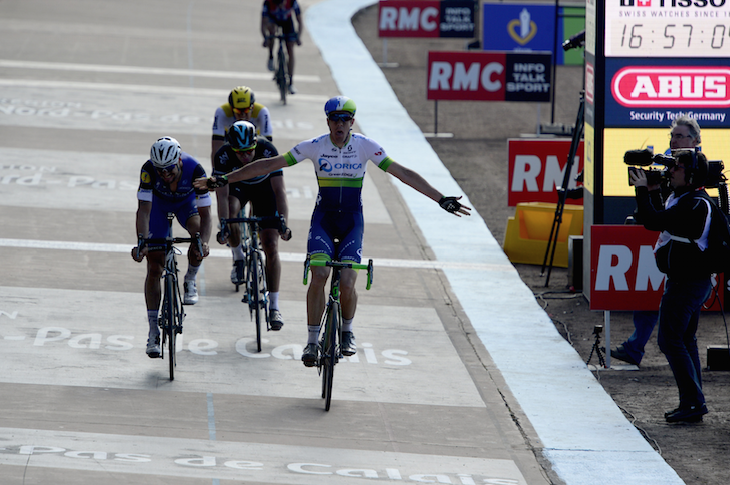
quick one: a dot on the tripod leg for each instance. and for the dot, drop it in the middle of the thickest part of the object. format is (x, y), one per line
(575, 141)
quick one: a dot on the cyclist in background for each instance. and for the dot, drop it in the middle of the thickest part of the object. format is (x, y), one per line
(340, 159)
(166, 185)
(279, 12)
(267, 195)
(241, 106)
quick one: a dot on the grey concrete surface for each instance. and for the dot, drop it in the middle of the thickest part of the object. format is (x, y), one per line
(85, 88)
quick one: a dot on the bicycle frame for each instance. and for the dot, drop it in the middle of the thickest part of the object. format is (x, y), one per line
(281, 73)
(256, 295)
(171, 312)
(331, 327)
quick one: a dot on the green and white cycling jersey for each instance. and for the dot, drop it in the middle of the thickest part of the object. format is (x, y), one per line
(340, 171)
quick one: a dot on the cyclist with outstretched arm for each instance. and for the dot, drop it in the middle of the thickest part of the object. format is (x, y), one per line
(340, 159)
(166, 185)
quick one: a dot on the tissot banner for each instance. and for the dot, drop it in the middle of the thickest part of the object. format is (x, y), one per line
(489, 76)
(426, 18)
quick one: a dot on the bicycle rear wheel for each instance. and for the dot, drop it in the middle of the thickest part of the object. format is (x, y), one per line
(329, 352)
(170, 321)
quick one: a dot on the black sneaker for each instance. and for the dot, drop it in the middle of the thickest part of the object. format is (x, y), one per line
(348, 346)
(239, 271)
(692, 414)
(621, 354)
(309, 357)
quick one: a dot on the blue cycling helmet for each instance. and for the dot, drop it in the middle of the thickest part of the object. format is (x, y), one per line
(242, 135)
(340, 103)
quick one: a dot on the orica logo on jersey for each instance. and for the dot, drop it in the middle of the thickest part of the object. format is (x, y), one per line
(348, 166)
(324, 165)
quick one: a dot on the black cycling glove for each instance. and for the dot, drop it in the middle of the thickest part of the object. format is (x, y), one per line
(220, 181)
(450, 204)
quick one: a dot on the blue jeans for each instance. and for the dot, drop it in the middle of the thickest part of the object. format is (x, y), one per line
(679, 315)
(644, 323)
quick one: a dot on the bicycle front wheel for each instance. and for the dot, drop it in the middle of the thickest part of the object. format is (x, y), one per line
(329, 352)
(255, 297)
(281, 80)
(171, 321)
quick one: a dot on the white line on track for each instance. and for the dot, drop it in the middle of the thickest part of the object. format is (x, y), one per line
(64, 66)
(137, 88)
(225, 253)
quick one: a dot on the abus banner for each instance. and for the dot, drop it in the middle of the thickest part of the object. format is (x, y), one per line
(537, 168)
(624, 275)
(489, 76)
(426, 18)
(679, 86)
(645, 92)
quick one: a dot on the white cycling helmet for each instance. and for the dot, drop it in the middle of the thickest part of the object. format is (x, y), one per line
(165, 152)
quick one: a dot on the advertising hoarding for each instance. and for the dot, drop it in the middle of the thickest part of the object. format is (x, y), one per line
(489, 76)
(537, 168)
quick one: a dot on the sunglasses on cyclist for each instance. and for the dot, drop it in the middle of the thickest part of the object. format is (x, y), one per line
(168, 170)
(242, 111)
(337, 117)
(243, 150)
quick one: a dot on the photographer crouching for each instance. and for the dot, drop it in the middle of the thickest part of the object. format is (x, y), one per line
(684, 222)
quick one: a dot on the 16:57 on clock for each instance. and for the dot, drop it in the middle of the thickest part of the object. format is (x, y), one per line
(668, 37)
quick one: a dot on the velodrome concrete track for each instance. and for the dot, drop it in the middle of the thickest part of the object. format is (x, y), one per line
(440, 391)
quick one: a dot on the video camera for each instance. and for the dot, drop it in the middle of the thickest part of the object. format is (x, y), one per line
(646, 158)
(657, 176)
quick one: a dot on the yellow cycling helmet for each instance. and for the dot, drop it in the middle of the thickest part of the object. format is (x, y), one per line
(241, 97)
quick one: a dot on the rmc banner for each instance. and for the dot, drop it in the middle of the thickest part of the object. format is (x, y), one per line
(489, 76)
(624, 275)
(537, 169)
(426, 18)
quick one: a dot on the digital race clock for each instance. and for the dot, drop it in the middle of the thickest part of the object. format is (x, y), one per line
(667, 28)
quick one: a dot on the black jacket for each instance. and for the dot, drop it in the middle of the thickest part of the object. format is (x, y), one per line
(684, 223)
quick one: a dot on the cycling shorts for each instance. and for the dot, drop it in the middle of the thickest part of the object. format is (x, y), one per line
(287, 29)
(347, 227)
(159, 228)
(262, 199)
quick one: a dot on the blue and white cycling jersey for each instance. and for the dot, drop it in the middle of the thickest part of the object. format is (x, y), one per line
(340, 171)
(151, 184)
(184, 201)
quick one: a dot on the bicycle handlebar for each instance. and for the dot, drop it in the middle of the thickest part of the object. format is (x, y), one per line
(252, 220)
(169, 241)
(339, 264)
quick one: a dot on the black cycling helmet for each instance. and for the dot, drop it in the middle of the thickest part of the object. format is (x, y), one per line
(242, 136)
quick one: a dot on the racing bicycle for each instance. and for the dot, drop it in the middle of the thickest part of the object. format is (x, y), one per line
(256, 293)
(331, 328)
(171, 314)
